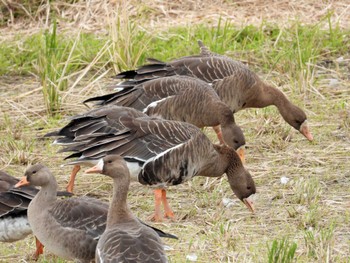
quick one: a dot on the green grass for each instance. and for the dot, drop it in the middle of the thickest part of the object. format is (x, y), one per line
(53, 64)
(281, 251)
(274, 48)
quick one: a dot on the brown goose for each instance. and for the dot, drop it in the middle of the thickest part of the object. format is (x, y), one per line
(125, 238)
(69, 228)
(158, 152)
(180, 98)
(14, 203)
(236, 85)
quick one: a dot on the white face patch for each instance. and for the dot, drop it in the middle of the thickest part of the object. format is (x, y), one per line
(304, 130)
(304, 124)
(100, 165)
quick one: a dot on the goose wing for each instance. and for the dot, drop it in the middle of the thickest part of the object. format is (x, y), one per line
(142, 139)
(81, 213)
(100, 121)
(14, 201)
(206, 68)
(139, 96)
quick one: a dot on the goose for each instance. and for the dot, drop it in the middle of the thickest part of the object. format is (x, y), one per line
(180, 98)
(84, 127)
(14, 224)
(69, 228)
(158, 152)
(125, 238)
(234, 82)
(14, 203)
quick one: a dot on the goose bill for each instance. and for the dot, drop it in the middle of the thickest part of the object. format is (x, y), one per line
(241, 153)
(249, 204)
(304, 130)
(22, 182)
(98, 168)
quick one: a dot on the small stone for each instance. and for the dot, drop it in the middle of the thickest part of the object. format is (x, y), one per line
(227, 202)
(192, 257)
(167, 248)
(284, 180)
(340, 59)
(333, 82)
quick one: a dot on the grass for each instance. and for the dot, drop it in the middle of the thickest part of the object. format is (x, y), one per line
(320, 243)
(304, 220)
(52, 70)
(281, 251)
(270, 45)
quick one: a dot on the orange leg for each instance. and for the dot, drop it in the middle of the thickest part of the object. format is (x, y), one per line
(70, 184)
(158, 200)
(167, 210)
(39, 249)
(217, 130)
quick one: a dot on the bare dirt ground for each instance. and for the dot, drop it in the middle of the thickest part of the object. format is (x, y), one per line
(316, 196)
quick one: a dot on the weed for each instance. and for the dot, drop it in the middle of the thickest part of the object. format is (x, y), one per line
(129, 41)
(15, 144)
(312, 217)
(51, 69)
(281, 251)
(319, 243)
(307, 191)
(18, 151)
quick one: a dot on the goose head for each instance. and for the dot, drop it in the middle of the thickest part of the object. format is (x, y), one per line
(112, 165)
(37, 175)
(243, 186)
(239, 178)
(296, 118)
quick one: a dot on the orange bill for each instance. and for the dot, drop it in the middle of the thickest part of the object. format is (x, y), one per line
(98, 168)
(22, 182)
(304, 130)
(249, 204)
(241, 153)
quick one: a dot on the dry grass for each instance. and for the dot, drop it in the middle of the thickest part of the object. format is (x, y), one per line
(312, 209)
(93, 15)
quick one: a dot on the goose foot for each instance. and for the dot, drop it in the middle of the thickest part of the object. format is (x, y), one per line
(39, 249)
(157, 217)
(168, 212)
(160, 197)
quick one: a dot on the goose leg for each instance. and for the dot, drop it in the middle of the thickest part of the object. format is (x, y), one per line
(73, 174)
(168, 212)
(218, 132)
(158, 200)
(39, 249)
